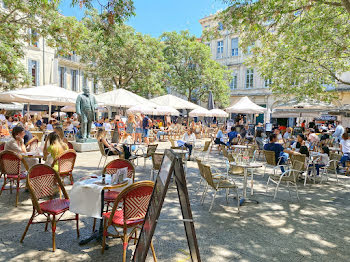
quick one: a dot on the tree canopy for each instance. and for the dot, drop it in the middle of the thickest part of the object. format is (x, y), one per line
(303, 46)
(191, 70)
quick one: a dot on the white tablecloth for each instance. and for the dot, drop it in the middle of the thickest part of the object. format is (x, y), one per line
(85, 196)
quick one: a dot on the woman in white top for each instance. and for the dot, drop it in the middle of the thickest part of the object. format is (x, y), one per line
(189, 138)
(107, 126)
(323, 159)
(345, 148)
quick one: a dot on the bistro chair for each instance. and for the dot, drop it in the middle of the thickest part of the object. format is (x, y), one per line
(150, 150)
(66, 162)
(157, 159)
(104, 154)
(11, 167)
(290, 177)
(217, 181)
(111, 168)
(43, 183)
(128, 212)
(271, 161)
(205, 152)
(32, 145)
(70, 145)
(2, 146)
(332, 166)
(173, 145)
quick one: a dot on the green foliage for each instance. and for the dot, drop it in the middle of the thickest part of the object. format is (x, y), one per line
(191, 70)
(302, 45)
(123, 58)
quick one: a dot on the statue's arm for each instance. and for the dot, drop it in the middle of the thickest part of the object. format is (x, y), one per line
(77, 105)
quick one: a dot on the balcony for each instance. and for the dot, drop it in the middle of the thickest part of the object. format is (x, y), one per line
(69, 60)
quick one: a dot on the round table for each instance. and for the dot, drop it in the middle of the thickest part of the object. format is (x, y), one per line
(38, 155)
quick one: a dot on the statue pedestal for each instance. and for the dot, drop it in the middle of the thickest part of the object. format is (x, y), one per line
(85, 146)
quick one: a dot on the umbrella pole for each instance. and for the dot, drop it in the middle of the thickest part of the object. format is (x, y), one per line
(28, 105)
(49, 111)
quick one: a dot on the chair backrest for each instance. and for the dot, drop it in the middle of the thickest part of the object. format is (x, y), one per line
(299, 158)
(32, 144)
(43, 182)
(270, 157)
(151, 149)
(157, 159)
(10, 163)
(112, 167)
(208, 176)
(66, 161)
(134, 199)
(206, 145)
(297, 168)
(70, 146)
(335, 156)
(200, 167)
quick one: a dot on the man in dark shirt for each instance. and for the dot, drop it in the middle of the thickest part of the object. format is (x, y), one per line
(145, 127)
(280, 152)
(231, 135)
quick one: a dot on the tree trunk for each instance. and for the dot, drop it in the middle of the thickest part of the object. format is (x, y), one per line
(346, 4)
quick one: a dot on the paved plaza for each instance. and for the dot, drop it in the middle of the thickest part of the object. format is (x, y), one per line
(314, 229)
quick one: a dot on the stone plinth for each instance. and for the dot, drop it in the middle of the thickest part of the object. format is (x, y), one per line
(85, 147)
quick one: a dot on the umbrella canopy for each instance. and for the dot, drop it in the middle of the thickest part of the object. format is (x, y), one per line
(41, 95)
(174, 101)
(199, 112)
(142, 108)
(12, 106)
(73, 109)
(245, 106)
(61, 114)
(122, 98)
(166, 110)
(218, 113)
(306, 106)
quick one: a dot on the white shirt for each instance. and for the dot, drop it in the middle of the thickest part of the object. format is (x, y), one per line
(107, 126)
(345, 145)
(70, 128)
(287, 135)
(189, 138)
(2, 117)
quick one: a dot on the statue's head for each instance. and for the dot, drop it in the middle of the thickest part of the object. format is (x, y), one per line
(86, 90)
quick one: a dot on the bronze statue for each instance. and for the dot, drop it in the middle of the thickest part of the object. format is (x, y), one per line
(85, 108)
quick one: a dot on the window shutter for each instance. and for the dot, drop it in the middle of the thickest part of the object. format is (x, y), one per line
(64, 77)
(37, 73)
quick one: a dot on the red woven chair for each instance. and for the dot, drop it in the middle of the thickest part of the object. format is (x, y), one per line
(44, 182)
(33, 144)
(134, 201)
(10, 165)
(66, 162)
(70, 146)
(111, 168)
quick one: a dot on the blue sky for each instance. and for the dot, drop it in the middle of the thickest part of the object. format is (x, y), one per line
(156, 16)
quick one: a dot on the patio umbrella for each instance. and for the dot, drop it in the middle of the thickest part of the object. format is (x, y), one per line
(306, 106)
(245, 106)
(61, 114)
(143, 108)
(174, 101)
(122, 98)
(73, 109)
(166, 110)
(199, 112)
(218, 113)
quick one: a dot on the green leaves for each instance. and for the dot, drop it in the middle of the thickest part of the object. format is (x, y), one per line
(191, 71)
(300, 41)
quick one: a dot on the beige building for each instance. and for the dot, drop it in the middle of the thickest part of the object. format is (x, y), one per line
(247, 81)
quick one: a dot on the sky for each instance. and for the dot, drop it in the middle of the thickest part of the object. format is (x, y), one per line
(157, 16)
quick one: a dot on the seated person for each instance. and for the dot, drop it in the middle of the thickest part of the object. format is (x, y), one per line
(189, 138)
(322, 161)
(49, 126)
(4, 130)
(231, 135)
(163, 131)
(56, 147)
(219, 140)
(299, 142)
(126, 141)
(313, 137)
(110, 148)
(324, 135)
(16, 144)
(281, 154)
(259, 138)
(278, 135)
(345, 148)
(288, 134)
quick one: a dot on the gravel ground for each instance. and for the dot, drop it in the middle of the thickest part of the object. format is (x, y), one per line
(316, 228)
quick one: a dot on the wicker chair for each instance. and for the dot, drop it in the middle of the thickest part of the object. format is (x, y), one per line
(271, 161)
(150, 150)
(290, 177)
(103, 154)
(157, 159)
(206, 151)
(216, 182)
(44, 182)
(66, 162)
(134, 201)
(32, 145)
(11, 167)
(70, 145)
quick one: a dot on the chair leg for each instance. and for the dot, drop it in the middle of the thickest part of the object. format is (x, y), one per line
(53, 222)
(204, 194)
(17, 192)
(267, 185)
(153, 252)
(276, 190)
(212, 202)
(3, 185)
(125, 244)
(47, 222)
(237, 196)
(77, 221)
(104, 164)
(71, 178)
(290, 196)
(27, 227)
(296, 189)
(99, 162)
(105, 233)
(227, 192)
(94, 225)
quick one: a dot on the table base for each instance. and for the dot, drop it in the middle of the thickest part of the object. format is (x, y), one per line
(96, 235)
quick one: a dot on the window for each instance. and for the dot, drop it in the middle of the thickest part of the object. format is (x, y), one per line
(33, 71)
(62, 77)
(249, 82)
(234, 46)
(267, 82)
(233, 84)
(33, 38)
(220, 49)
(250, 49)
(74, 74)
(220, 26)
(85, 80)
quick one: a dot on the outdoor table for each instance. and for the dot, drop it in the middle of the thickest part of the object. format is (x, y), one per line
(38, 155)
(87, 184)
(240, 147)
(246, 166)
